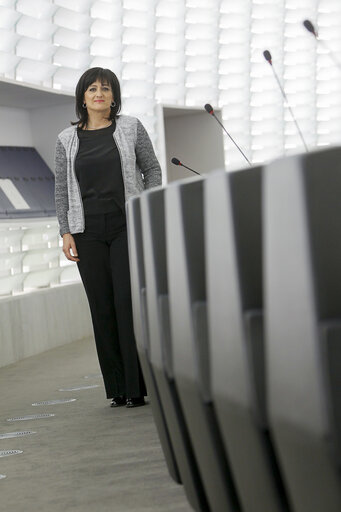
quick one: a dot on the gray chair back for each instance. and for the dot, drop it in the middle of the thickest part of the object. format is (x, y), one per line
(233, 244)
(188, 321)
(302, 219)
(161, 352)
(138, 289)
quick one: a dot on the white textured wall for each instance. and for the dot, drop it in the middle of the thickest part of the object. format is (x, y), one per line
(35, 128)
(41, 320)
(46, 123)
(196, 140)
(188, 53)
(15, 127)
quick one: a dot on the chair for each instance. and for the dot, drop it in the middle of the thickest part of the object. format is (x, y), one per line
(11, 284)
(302, 273)
(69, 274)
(40, 259)
(187, 299)
(10, 263)
(138, 288)
(160, 343)
(41, 278)
(233, 242)
(40, 238)
(10, 239)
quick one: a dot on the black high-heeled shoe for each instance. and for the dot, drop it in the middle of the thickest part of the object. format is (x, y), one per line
(135, 402)
(118, 401)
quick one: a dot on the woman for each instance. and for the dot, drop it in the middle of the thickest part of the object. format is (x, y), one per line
(102, 160)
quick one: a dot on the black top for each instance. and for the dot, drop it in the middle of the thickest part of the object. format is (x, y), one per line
(98, 171)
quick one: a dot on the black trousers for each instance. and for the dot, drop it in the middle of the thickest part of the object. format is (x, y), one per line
(104, 269)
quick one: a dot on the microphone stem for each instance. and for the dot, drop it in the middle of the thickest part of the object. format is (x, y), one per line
(290, 109)
(182, 165)
(234, 142)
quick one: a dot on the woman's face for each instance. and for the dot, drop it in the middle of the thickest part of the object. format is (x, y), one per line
(98, 96)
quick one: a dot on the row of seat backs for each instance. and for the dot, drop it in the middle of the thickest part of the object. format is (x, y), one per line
(32, 179)
(210, 250)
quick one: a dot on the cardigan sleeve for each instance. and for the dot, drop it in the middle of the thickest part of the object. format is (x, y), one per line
(146, 158)
(61, 191)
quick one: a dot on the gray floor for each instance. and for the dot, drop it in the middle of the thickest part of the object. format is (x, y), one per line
(88, 457)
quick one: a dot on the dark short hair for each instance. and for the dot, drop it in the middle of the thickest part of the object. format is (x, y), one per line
(106, 76)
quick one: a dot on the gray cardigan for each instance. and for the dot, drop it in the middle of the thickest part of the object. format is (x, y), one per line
(140, 169)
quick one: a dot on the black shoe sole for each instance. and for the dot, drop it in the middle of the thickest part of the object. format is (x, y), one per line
(130, 406)
(120, 403)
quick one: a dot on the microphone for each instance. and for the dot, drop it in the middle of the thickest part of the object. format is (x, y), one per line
(310, 27)
(209, 110)
(268, 58)
(175, 161)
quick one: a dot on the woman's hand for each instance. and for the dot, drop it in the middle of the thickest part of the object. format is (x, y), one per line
(69, 243)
